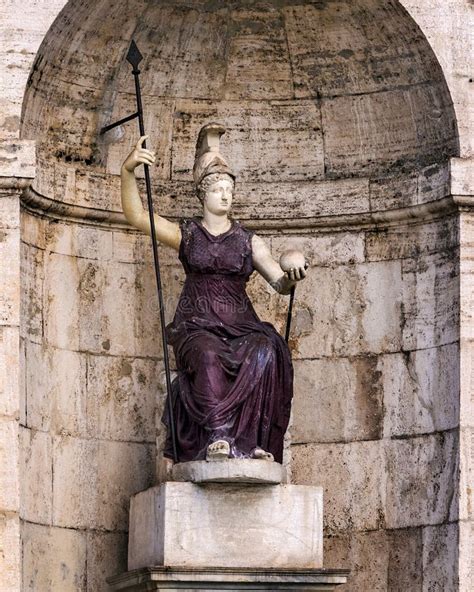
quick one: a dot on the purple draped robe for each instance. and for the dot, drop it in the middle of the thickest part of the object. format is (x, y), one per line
(235, 376)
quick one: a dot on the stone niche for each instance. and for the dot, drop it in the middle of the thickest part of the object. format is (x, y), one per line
(341, 128)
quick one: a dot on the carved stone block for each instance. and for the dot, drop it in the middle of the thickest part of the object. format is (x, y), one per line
(226, 525)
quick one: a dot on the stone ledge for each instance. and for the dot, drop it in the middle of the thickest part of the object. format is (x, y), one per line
(34, 201)
(230, 471)
(208, 579)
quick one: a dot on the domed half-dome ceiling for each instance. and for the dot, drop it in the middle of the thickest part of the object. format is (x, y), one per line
(310, 92)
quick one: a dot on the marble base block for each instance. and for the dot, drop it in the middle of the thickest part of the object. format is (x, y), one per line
(230, 471)
(210, 579)
(227, 525)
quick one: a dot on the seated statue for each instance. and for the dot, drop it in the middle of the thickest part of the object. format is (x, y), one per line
(234, 384)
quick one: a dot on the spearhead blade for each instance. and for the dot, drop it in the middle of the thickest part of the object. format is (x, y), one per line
(134, 57)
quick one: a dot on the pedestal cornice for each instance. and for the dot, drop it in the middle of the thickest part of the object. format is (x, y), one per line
(167, 578)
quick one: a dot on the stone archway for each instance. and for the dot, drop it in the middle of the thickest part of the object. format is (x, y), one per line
(358, 142)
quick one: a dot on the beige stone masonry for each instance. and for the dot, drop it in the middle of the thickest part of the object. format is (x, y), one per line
(41, 547)
(36, 466)
(10, 551)
(462, 176)
(9, 372)
(10, 554)
(353, 480)
(17, 159)
(447, 28)
(91, 472)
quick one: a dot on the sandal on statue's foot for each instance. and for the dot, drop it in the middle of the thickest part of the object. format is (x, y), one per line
(261, 454)
(218, 450)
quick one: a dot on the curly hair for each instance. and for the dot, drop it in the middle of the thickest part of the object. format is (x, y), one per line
(209, 180)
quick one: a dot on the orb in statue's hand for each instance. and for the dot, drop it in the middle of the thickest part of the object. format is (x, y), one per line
(292, 259)
(294, 264)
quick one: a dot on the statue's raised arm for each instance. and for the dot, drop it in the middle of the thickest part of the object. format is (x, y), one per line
(167, 232)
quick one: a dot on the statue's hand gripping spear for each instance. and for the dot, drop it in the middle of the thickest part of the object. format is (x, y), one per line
(134, 57)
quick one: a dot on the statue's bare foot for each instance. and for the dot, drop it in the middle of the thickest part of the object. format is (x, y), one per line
(261, 454)
(218, 450)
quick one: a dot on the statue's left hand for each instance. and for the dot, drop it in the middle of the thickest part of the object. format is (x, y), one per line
(298, 273)
(294, 264)
(138, 156)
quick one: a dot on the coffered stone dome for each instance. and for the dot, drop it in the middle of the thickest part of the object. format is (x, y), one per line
(332, 106)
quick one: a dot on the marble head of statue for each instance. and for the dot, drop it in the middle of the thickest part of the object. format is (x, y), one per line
(209, 164)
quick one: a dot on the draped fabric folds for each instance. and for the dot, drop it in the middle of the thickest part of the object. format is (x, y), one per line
(235, 376)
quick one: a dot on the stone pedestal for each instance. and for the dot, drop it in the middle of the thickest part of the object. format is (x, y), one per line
(231, 526)
(227, 525)
(208, 580)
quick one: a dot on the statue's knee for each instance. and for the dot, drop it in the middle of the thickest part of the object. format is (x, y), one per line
(208, 357)
(265, 347)
(263, 342)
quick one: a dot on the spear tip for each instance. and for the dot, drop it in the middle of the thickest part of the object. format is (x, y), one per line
(134, 57)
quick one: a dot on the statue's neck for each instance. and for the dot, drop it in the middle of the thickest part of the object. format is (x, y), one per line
(216, 223)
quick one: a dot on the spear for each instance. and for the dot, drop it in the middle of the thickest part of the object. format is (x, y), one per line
(289, 314)
(134, 57)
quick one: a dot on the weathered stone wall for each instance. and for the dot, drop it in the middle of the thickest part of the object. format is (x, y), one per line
(338, 109)
(377, 402)
(20, 36)
(91, 371)
(9, 388)
(446, 26)
(466, 432)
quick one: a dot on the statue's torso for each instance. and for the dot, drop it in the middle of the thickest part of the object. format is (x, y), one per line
(228, 253)
(217, 269)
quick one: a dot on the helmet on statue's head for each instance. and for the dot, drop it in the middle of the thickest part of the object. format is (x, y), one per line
(208, 159)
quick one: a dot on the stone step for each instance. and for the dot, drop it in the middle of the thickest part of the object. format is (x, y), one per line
(210, 579)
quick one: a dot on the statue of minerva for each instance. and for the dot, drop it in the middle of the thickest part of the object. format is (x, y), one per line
(234, 385)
